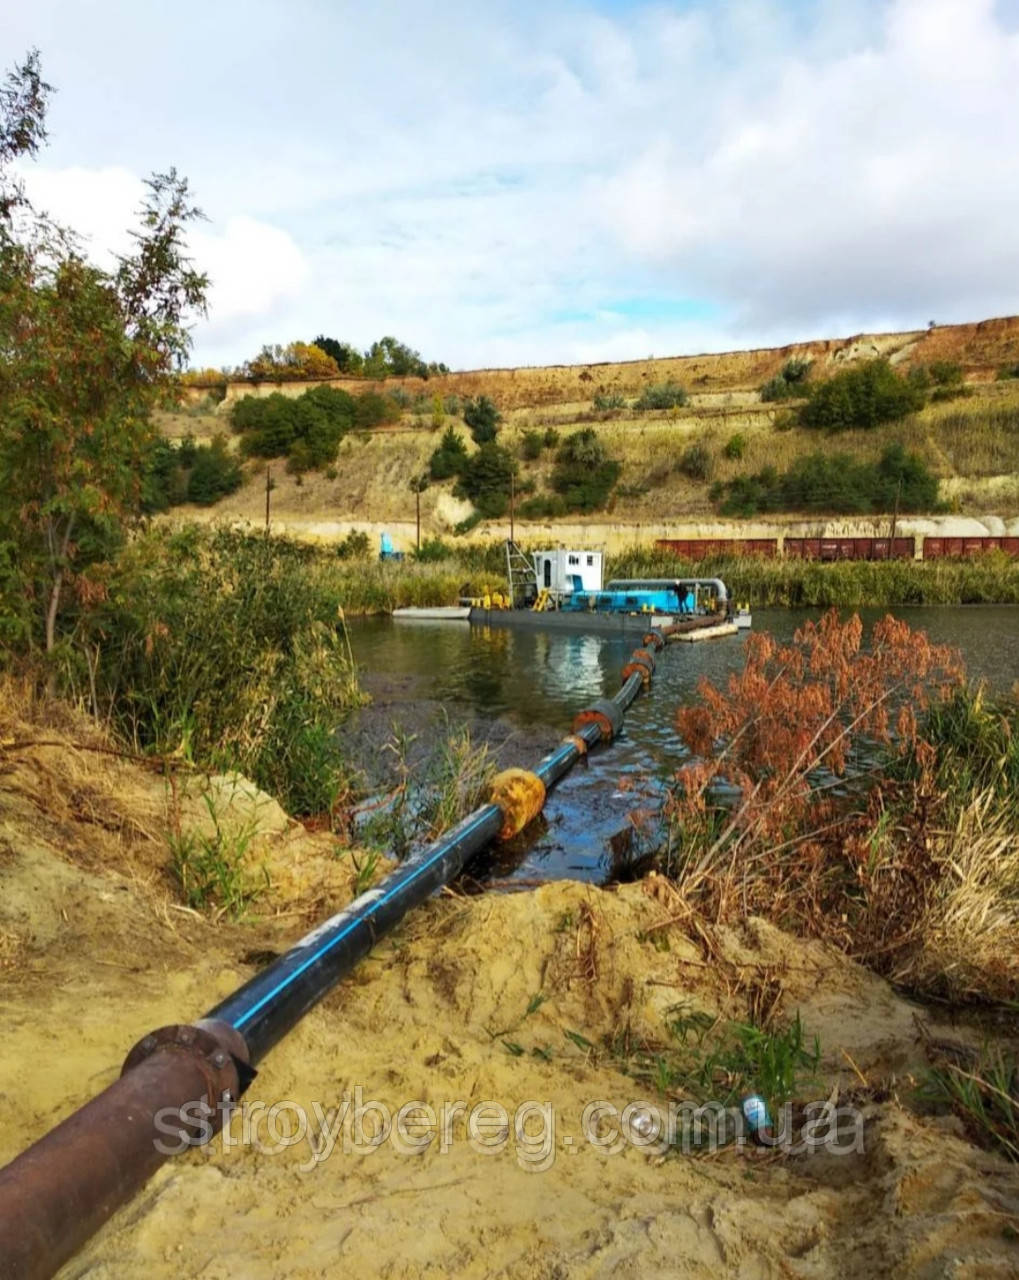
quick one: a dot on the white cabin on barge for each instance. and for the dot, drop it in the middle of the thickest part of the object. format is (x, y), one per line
(561, 571)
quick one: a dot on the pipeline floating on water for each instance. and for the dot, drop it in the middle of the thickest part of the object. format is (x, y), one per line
(60, 1191)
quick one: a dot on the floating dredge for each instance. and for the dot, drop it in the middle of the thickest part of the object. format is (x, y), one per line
(58, 1193)
(562, 590)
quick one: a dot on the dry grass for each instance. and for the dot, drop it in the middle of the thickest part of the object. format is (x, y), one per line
(966, 941)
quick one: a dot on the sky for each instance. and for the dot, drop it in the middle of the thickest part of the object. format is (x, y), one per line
(533, 183)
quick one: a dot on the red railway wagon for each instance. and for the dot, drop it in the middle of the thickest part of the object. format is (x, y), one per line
(702, 548)
(849, 548)
(959, 548)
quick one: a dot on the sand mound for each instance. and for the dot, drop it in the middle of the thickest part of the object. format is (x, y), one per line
(94, 952)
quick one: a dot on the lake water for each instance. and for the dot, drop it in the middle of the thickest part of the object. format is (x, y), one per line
(520, 688)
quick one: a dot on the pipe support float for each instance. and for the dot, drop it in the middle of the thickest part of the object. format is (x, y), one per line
(520, 794)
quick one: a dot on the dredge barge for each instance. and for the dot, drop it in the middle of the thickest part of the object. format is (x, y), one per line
(561, 589)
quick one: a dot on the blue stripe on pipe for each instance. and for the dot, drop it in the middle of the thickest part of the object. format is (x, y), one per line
(323, 950)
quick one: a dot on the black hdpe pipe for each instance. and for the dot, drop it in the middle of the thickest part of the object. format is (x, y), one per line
(273, 1001)
(58, 1193)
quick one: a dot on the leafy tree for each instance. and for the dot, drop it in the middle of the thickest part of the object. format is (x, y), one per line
(296, 361)
(348, 358)
(483, 418)
(861, 398)
(85, 355)
(584, 473)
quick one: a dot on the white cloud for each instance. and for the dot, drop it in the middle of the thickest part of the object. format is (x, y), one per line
(491, 182)
(255, 270)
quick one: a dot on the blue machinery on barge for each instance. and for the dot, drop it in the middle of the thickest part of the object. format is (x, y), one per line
(59, 1192)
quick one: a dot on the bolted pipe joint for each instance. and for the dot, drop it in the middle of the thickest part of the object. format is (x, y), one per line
(176, 1089)
(604, 713)
(654, 640)
(642, 662)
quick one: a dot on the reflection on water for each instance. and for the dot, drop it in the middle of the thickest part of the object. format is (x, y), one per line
(542, 678)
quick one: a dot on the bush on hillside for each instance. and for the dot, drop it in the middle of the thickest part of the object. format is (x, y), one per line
(606, 403)
(735, 447)
(664, 395)
(584, 474)
(483, 418)
(189, 472)
(834, 483)
(789, 383)
(486, 479)
(695, 462)
(861, 398)
(532, 445)
(450, 458)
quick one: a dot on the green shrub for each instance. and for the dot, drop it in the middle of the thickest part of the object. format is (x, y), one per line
(223, 647)
(431, 551)
(664, 395)
(735, 447)
(189, 472)
(789, 383)
(483, 418)
(273, 426)
(532, 445)
(945, 373)
(374, 410)
(860, 398)
(215, 472)
(355, 546)
(1008, 371)
(551, 437)
(485, 479)
(695, 462)
(835, 483)
(584, 474)
(452, 406)
(450, 458)
(604, 403)
(546, 506)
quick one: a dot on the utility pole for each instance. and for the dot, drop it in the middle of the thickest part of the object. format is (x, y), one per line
(895, 520)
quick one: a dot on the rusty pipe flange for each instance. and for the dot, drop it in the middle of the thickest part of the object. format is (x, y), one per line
(644, 655)
(638, 667)
(642, 662)
(576, 741)
(176, 1090)
(520, 794)
(216, 1048)
(654, 640)
(605, 714)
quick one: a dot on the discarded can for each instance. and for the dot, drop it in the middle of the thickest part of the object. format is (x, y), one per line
(755, 1113)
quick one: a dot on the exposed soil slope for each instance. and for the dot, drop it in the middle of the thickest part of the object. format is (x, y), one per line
(972, 444)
